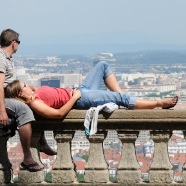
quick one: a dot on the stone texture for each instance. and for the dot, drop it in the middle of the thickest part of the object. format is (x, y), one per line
(63, 168)
(161, 176)
(184, 176)
(26, 177)
(63, 176)
(96, 169)
(63, 159)
(129, 171)
(96, 158)
(161, 159)
(129, 177)
(96, 176)
(128, 159)
(121, 119)
(5, 176)
(160, 169)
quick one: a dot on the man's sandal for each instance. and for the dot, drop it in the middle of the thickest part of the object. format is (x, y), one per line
(29, 167)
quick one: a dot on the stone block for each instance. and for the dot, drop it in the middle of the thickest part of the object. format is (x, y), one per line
(129, 177)
(5, 176)
(63, 176)
(161, 176)
(96, 176)
(31, 177)
(184, 176)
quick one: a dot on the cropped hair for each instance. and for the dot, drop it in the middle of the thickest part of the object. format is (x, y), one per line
(7, 36)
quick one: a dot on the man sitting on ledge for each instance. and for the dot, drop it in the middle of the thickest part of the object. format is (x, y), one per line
(11, 109)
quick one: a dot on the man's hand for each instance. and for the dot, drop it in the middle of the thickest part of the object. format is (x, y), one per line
(3, 118)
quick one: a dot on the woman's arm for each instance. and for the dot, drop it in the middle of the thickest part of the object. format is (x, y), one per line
(44, 110)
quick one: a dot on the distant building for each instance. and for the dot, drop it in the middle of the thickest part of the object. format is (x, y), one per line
(143, 137)
(12, 142)
(49, 135)
(52, 82)
(166, 88)
(112, 140)
(53, 59)
(79, 143)
(71, 80)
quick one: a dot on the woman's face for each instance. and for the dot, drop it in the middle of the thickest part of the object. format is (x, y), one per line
(25, 89)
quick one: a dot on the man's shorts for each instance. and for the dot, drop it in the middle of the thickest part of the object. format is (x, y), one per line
(19, 114)
(19, 111)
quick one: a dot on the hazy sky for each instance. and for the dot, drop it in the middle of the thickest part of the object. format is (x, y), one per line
(97, 22)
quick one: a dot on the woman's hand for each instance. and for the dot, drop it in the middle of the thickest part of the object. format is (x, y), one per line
(76, 94)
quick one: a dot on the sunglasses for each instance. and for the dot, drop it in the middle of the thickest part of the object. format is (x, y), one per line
(17, 41)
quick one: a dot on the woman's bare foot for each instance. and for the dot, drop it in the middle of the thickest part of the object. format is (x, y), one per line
(167, 103)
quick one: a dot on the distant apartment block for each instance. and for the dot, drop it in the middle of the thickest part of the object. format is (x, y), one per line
(79, 143)
(132, 77)
(143, 137)
(71, 80)
(21, 74)
(112, 136)
(166, 88)
(49, 135)
(52, 82)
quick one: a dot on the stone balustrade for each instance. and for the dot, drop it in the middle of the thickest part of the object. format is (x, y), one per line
(128, 124)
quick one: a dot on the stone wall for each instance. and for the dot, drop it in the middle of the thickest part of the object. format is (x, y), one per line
(128, 124)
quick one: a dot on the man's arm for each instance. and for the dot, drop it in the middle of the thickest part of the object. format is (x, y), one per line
(3, 114)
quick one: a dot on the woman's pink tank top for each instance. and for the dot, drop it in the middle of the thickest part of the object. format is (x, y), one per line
(53, 97)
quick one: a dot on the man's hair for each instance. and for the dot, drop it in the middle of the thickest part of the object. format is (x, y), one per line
(7, 36)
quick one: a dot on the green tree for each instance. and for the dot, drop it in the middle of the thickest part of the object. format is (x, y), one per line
(85, 157)
(16, 180)
(112, 178)
(80, 177)
(48, 177)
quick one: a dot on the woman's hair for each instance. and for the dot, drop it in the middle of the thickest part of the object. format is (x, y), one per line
(13, 89)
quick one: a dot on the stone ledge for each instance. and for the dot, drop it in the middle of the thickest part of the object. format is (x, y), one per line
(95, 184)
(121, 119)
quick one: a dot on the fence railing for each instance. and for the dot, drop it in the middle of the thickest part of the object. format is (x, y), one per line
(128, 124)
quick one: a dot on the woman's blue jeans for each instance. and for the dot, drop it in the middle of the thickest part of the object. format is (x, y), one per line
(91, 96)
